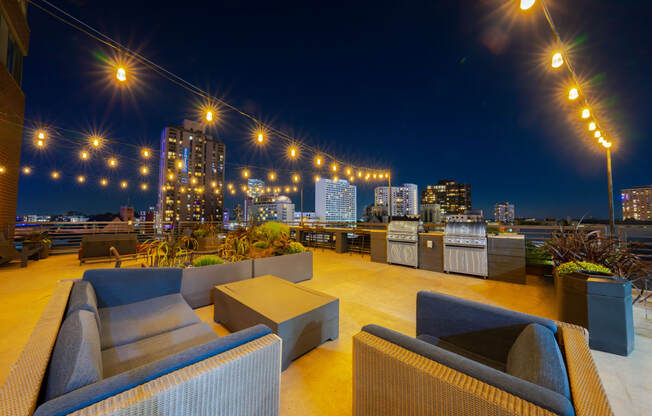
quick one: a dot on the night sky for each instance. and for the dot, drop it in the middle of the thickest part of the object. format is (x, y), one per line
(431, 90)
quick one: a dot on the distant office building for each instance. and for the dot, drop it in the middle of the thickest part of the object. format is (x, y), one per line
(308, 217)
(255, 188)
(637, 203)
(237, 213)
(272, 207)
(504, 213)
(453, 197)
(335, 201)
(127, 213)
(14, 43)
(470, 215)
(191, 174)
(431, 213)
(405, 199)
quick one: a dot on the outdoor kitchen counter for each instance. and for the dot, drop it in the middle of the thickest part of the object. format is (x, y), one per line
(431, 251)
(506, 256)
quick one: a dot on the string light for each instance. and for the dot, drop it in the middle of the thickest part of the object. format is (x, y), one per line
(213, 184)
(359, 174)
(209, 116)
(96, 142)
(557, 60)
(81, 179)
(124, 184)
(144, 170)
(245, 173)
(121, 74)
(597, 134)
(27, 170)
(318, 161)
(287, 189)
(526, 4)
(293, 152)
(272, 176)
(296, 178)
(230, 186)
(592, 126)
(573, 94)
(375, 175)
(83, 155)
(586, 113)
(232, 191)
(143, 186)
(351, 178)
(104, 182)
(2, 169)
(335, 178)
(145, 153)
(260, 138)
(193, 181)
(348, 171)
(334, 167)
(113, 163)
(180, 164)
(171, 176)
(380, 176)
(55, 175)
(317, 178)
(294, 188)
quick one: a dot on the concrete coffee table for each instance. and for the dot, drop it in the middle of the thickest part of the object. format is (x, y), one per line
(302, 317)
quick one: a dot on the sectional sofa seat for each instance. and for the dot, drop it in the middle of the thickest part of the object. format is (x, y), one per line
(129, 343)
(472, 358)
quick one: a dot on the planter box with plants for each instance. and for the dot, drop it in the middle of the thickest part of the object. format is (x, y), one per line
(592, 281)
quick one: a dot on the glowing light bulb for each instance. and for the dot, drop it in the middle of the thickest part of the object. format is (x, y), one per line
(143, 186)
(214, 184)
(287, 189)
(209, 115)
(348, 171)
(113, 163)
(171, 176)
(317, 178)
(245, 173)
(351, 178)
(334, 167)
(375, 175)
(124, 184)
(293, 152)
(144, 170)
(230, 186)
(367, 176)
(318, 161)
(217, 191)
(232, 191)
(104, 182)
(592, 126)
(597, 134)
(296, 178)
(193, 181)
(380, 176)
(586, 113)
(182, 190)
(27, 170)
(335, 178)
(83, 155)
(557, 60)
(260, 138)
(359, 174)
(40, 135)
(294, 188)
(121, 74)
(81, 179)
(573, 94)
(606, 144)
(180, 164)
(272, 176)
(145, 153)
(55, 175)
(526, 4)
(601, 140)
(2, 169)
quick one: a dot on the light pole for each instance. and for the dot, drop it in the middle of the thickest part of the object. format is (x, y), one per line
(610, 186)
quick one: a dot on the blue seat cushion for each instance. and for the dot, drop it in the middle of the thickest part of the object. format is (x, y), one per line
(123, 358)
(76, 360)
(134, 321)
(535, 357)
(82, 297)
(471, 355)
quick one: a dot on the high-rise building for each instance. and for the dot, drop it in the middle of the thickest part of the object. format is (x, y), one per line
(504, 213)
(335, 201)
(191, 174)
(255, 188)
(431, 213)
(453, 197)
(637, 203)
(405, 199)
(272, 207)
(14, 43)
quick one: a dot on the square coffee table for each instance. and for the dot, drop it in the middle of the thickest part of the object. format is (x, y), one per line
(302, 317)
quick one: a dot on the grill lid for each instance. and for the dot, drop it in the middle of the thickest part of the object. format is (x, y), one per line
(403, 227)
(466, 229)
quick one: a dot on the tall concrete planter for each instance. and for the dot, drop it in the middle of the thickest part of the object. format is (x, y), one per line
(197, 283)
(291, 267)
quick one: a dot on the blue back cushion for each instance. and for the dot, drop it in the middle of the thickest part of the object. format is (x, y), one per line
(82, 297)
(77, 359)
(115, 287)
(535, 357)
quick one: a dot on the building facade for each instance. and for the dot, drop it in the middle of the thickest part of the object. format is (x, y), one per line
(14, 43)
(504, 213)
(272, 207)
(405, 199)
(431, 213)
(191, 174)
(637, 203)
(335, 201)
(255, 188)
(454, 198)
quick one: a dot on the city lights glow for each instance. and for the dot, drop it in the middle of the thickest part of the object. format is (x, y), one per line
(526, 4)
(557, 60)
(121, 74)
(573, 94)
(586, 113)
(334, 167)
(171, 176)
(27, 170)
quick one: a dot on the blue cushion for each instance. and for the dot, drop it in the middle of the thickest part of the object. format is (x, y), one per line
(531, 392)
(128, 356)
(111, 386)
(76, 360)
(82, 297)
(115, 287)
(535, 357)
(134, 321)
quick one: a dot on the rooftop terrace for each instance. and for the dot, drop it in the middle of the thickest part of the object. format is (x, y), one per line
(320, 381)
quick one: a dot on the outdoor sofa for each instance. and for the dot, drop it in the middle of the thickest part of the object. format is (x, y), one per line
(8, 252)
(470, 358)
(98, 246)
(126, 342)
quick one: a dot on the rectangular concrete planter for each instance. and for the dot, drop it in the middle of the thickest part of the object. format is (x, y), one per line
(291, 267)
(197, 283)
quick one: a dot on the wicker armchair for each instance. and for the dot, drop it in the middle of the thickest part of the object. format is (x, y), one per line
(393, 376)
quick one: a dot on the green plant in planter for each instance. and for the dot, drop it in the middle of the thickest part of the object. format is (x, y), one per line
(207, 261)
(295, 247)
(572, 266)
(260, 244)
(199, 233)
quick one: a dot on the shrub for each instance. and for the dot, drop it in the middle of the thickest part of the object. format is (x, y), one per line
(295, 247)
(199, 233)
(572, 266)
(272, 231)
(260, 244)
(207, 261)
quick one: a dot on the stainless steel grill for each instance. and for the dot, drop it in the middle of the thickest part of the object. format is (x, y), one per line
(465, 248)
(403, 243)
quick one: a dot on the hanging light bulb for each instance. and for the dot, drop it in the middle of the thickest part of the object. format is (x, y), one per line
(193, 181)
(317, 178)
(597, 134)
(2, 169)
(40, 143)
(83, 155)
(124, 184)
(245, 173)
(113, 162)
(380, 176)
(375, 175)
(272, 176)
(182, 190)
(145, 153)
(121, 74)
(95, 141)
(592, 126)
(171, 176)
(318, 161)
(294, 188)
(293, 152)
(348, 171)
(40, 135)
(143, 186)
(573, 94)
(217, 191)
(104, 182)
(586, 113)
(81, 179)
(295, 178)
(260, 138)
(606, 144)
(601, 140)
(209, 116)
(526, 4)
(335, 178)
(27, 170)
(557, 60)
(213, 184)
(359, 174)
(230, 186)
(334, 167)
(55, 175)
(351, 178)
(232, 191)
(367, 176)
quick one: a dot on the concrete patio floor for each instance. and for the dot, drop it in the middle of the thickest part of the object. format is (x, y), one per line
(319, 382)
